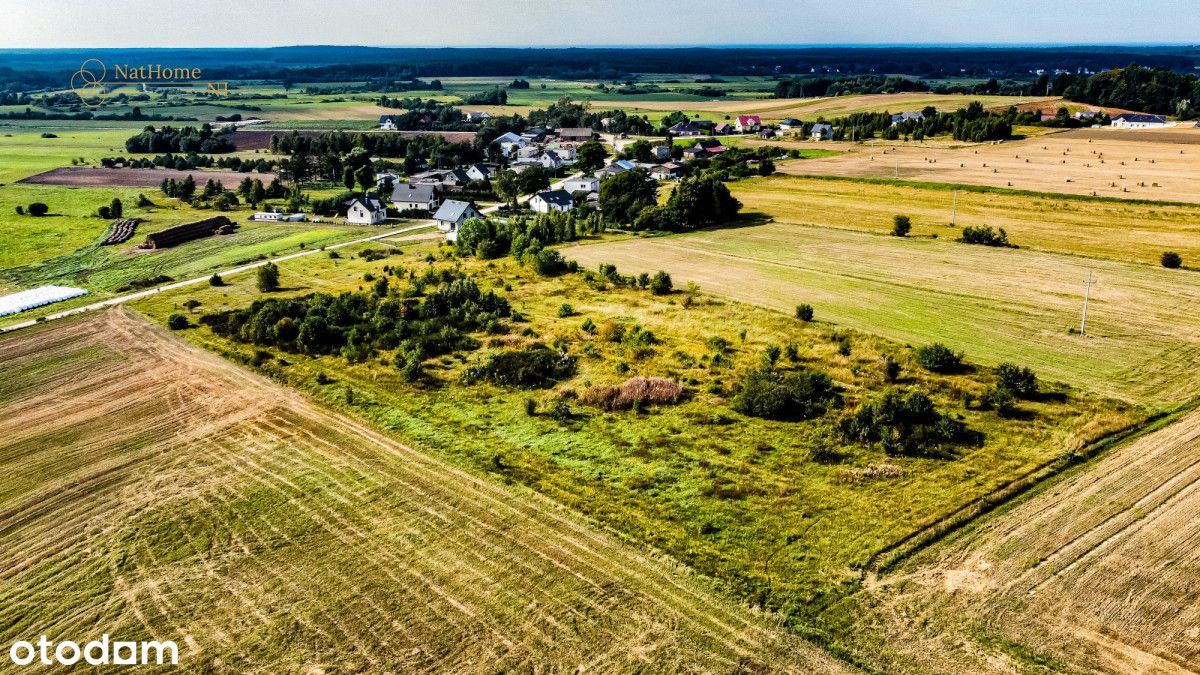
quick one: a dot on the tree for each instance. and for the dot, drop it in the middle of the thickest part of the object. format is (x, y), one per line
(1171, 260)
(177, 322)
(268, 278)
(901, 226)
(38, 209)
(533, 179)
(505, 186)
(117, 209)
(257, 192)
(590, 156)
(624, 195)
(216, 280)
(700, 200)
(186, 189)
(1020, 381)
(660, 283)
(804, 312)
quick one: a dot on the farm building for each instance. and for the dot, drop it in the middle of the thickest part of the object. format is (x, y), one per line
(668, 171)
(388, 122)
(552, 200)
(1137, 121)
(685, 129)
(575, 135)
(416, 196)
(365, 211)
(904, 117)
(173, 236)
(790, 124)
(747, 124)
(278, 217)
(822, 132)
(452, 214)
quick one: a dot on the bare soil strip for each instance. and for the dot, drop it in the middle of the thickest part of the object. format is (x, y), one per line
(120, 177)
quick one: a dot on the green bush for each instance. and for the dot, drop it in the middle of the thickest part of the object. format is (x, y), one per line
(548, 263)
(177, 322)
(660, 283)
(1000, 399)
(1171, 260)
(804, 312)
(216, 280)
(792, 396)
(268, 278)
(901, 226)
(38, 209)
(983, 235)
(565, 310)
(1020, 381)
(906, 424)
(939, 358)
(532, 368)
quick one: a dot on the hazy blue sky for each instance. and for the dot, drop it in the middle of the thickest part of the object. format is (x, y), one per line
(198, 23)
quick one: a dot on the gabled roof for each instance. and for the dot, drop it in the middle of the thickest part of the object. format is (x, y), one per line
(575, 132)
(822, 127)
(414, 192)
(483, 169)
(749, 119)
(682, 127)
(790, 121)
(370, 203)
(459, 175)
(384, 118)
(557, 197)
(453, 209)
(507, 137)
(709, 144)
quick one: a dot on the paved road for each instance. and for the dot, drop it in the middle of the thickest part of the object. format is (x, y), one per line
(204, 279)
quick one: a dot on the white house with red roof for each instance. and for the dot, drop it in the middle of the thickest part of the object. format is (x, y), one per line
(748, 124)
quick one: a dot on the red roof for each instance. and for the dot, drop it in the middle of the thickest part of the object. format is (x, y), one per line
(749, 119)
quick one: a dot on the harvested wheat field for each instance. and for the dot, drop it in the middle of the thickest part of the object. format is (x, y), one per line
(151, 489)
(1093, 161)
(1093, 574)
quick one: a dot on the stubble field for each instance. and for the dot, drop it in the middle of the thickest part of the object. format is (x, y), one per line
(161, 492)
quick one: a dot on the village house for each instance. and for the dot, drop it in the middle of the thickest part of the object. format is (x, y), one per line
(822, 132)
(662, 152)
(480, 172)
(723, 129)
(550, 160)
(552, 200)
(452, 214)
(509, 143)
(365, 211)
(575, 134)
(581, 184)
(685, 129)
(791, 124)
(415, 196)
(904, 117)
(477, 116)
(614, 168)
(1138, 121)
(709, 147)
(668, 171)
(747, 124)
(388, 122)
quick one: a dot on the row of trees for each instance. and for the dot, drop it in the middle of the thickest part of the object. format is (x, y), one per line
(182, 139)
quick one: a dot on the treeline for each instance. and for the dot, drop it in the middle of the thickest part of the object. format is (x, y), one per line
(190, 161)
(1153, 90)
(135, 114)
(807, 87)
(183, 139)
(322, 155)
(376, 84)
(426, 115)
(971, 123)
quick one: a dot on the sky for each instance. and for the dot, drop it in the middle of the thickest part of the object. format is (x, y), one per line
(482, 23)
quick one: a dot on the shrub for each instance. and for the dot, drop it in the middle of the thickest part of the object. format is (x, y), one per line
(322, 378)
(771, 356)
(984, 235)
(588, 326)
(1020, 381)
(906, 424)
(20, 210)
(1000, 399)
(891, 369)
(143, 201)
(901, 226)
(611, 331)
(634, 392)
(791, 352)
(268, 278)
(844, 347)
(38, 209)
(191, 305)
(1171, 260)
(548, 263)
(177, 322)
(530, 407)
(537, 367)
(216, 280)
(804, 312)
(939, 358)
(561, 412)
(565, 310)
(660, 283)
(797, 395)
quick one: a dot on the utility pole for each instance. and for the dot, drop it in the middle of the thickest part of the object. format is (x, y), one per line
(1087, 294)
(954, 211)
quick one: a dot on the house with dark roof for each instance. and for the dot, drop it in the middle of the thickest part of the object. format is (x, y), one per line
(365, 211)
(723, 129)
(1138, 121)
(710, 147)
(452, 214)
(790, 124)
(904, 117)
(388, 122)
(480, 172)
(416, 196)
(822, 132)
(685, 129)
(552, 200)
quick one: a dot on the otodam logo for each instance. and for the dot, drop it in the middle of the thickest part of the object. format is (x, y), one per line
(92, 82)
